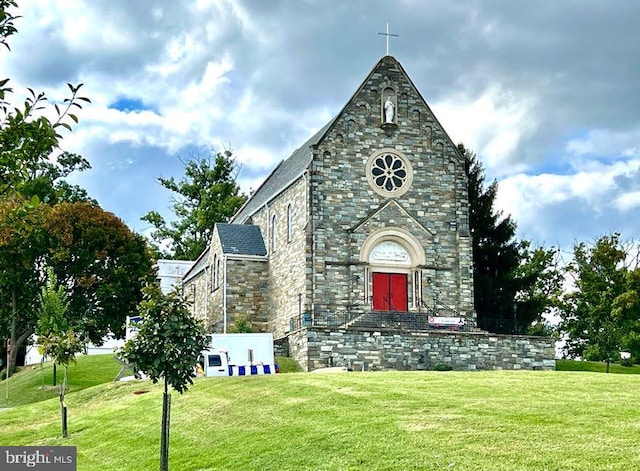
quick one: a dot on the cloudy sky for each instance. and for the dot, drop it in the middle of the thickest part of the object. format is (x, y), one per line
(547, 93)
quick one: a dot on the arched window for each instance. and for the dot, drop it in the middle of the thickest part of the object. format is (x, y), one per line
(289, 223)
(214, 276)
(218, 274)
(273, 233)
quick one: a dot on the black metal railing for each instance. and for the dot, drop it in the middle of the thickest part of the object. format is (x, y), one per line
(393, 320)
(502, 326)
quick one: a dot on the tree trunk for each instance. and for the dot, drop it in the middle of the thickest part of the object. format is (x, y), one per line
(608, 362)
(14, 348)
(63, 411)
(164, 438)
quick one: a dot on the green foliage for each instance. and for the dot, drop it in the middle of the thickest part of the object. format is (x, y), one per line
(102, 264)
(241, 325)
(601, 316)
(495, 250)
(208, 194)
(22, 242)
(62, 347)
(511, 279)
(168, 341)
(538, 279)
(54, 304)
(287, 365)
(32, 166)
(442, 367)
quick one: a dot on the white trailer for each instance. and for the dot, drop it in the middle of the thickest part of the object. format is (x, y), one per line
(238, 355)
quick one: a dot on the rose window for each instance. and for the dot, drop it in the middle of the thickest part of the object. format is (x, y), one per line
(389, 172)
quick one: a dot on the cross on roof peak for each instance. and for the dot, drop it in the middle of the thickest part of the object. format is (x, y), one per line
(387, 34)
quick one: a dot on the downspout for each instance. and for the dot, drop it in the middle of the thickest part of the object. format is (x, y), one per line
(315, 152)
(224, 293)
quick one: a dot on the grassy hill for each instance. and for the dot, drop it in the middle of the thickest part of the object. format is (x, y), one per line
(355, 421)
(26, 387)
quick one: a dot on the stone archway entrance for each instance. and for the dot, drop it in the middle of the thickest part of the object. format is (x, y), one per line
(392, 257)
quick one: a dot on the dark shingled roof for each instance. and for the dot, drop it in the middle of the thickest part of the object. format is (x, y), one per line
(241, 239)
(288, 171)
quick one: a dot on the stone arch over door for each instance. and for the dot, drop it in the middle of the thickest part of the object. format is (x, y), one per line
(391, 257)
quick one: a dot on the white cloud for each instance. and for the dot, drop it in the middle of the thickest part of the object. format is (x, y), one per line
(627, 201)
(606, 143)
(492, 124)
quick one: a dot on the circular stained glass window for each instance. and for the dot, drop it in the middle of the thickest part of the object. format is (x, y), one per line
(389, 172)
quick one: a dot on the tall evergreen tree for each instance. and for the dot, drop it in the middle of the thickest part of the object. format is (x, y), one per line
(207, 194)
(514, 283)
(495, 248)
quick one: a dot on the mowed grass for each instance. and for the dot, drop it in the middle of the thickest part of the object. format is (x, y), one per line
(26, 387)
(35, 383)
(501, 420)
(595, 367)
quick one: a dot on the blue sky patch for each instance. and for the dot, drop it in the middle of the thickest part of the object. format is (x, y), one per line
(129, 104)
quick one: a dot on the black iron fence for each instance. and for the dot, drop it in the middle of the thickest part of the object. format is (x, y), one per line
(402, 321)
(394, 320)
(502, 326)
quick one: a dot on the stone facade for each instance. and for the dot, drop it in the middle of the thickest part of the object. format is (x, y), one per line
(389, 350)
(370, 214)
(347, 211)
(229, 286)
(283, 222)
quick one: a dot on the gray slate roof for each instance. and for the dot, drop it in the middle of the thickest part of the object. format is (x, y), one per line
(287, 172)
(241, 239)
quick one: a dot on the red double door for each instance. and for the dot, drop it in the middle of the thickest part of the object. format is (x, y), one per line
(390, 292)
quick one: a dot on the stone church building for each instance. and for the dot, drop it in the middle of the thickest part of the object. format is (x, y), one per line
(356, 249)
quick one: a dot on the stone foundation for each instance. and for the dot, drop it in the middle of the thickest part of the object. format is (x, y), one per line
(381, 350)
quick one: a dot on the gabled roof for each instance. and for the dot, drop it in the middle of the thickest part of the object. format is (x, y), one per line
(292, 168)
(287, 172)
(199, 265)
(241, 239)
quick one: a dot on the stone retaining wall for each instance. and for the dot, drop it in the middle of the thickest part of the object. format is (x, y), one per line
(316, 348)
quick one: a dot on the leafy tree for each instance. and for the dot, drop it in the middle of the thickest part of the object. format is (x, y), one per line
(101, 263)
(539, 278)
(167, 344)
(30, 156)
(208, 194)
(514, 284)
(22, 242)
(56, 337)
(602, 315)
(54, 304)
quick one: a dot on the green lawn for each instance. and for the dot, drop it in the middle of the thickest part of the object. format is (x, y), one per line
(595, 367)
(502, 420)
(26, 387)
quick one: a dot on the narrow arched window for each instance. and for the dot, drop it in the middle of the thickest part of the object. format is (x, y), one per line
(289, 223)
(214, 276)
(218, 274)
(273, 233)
